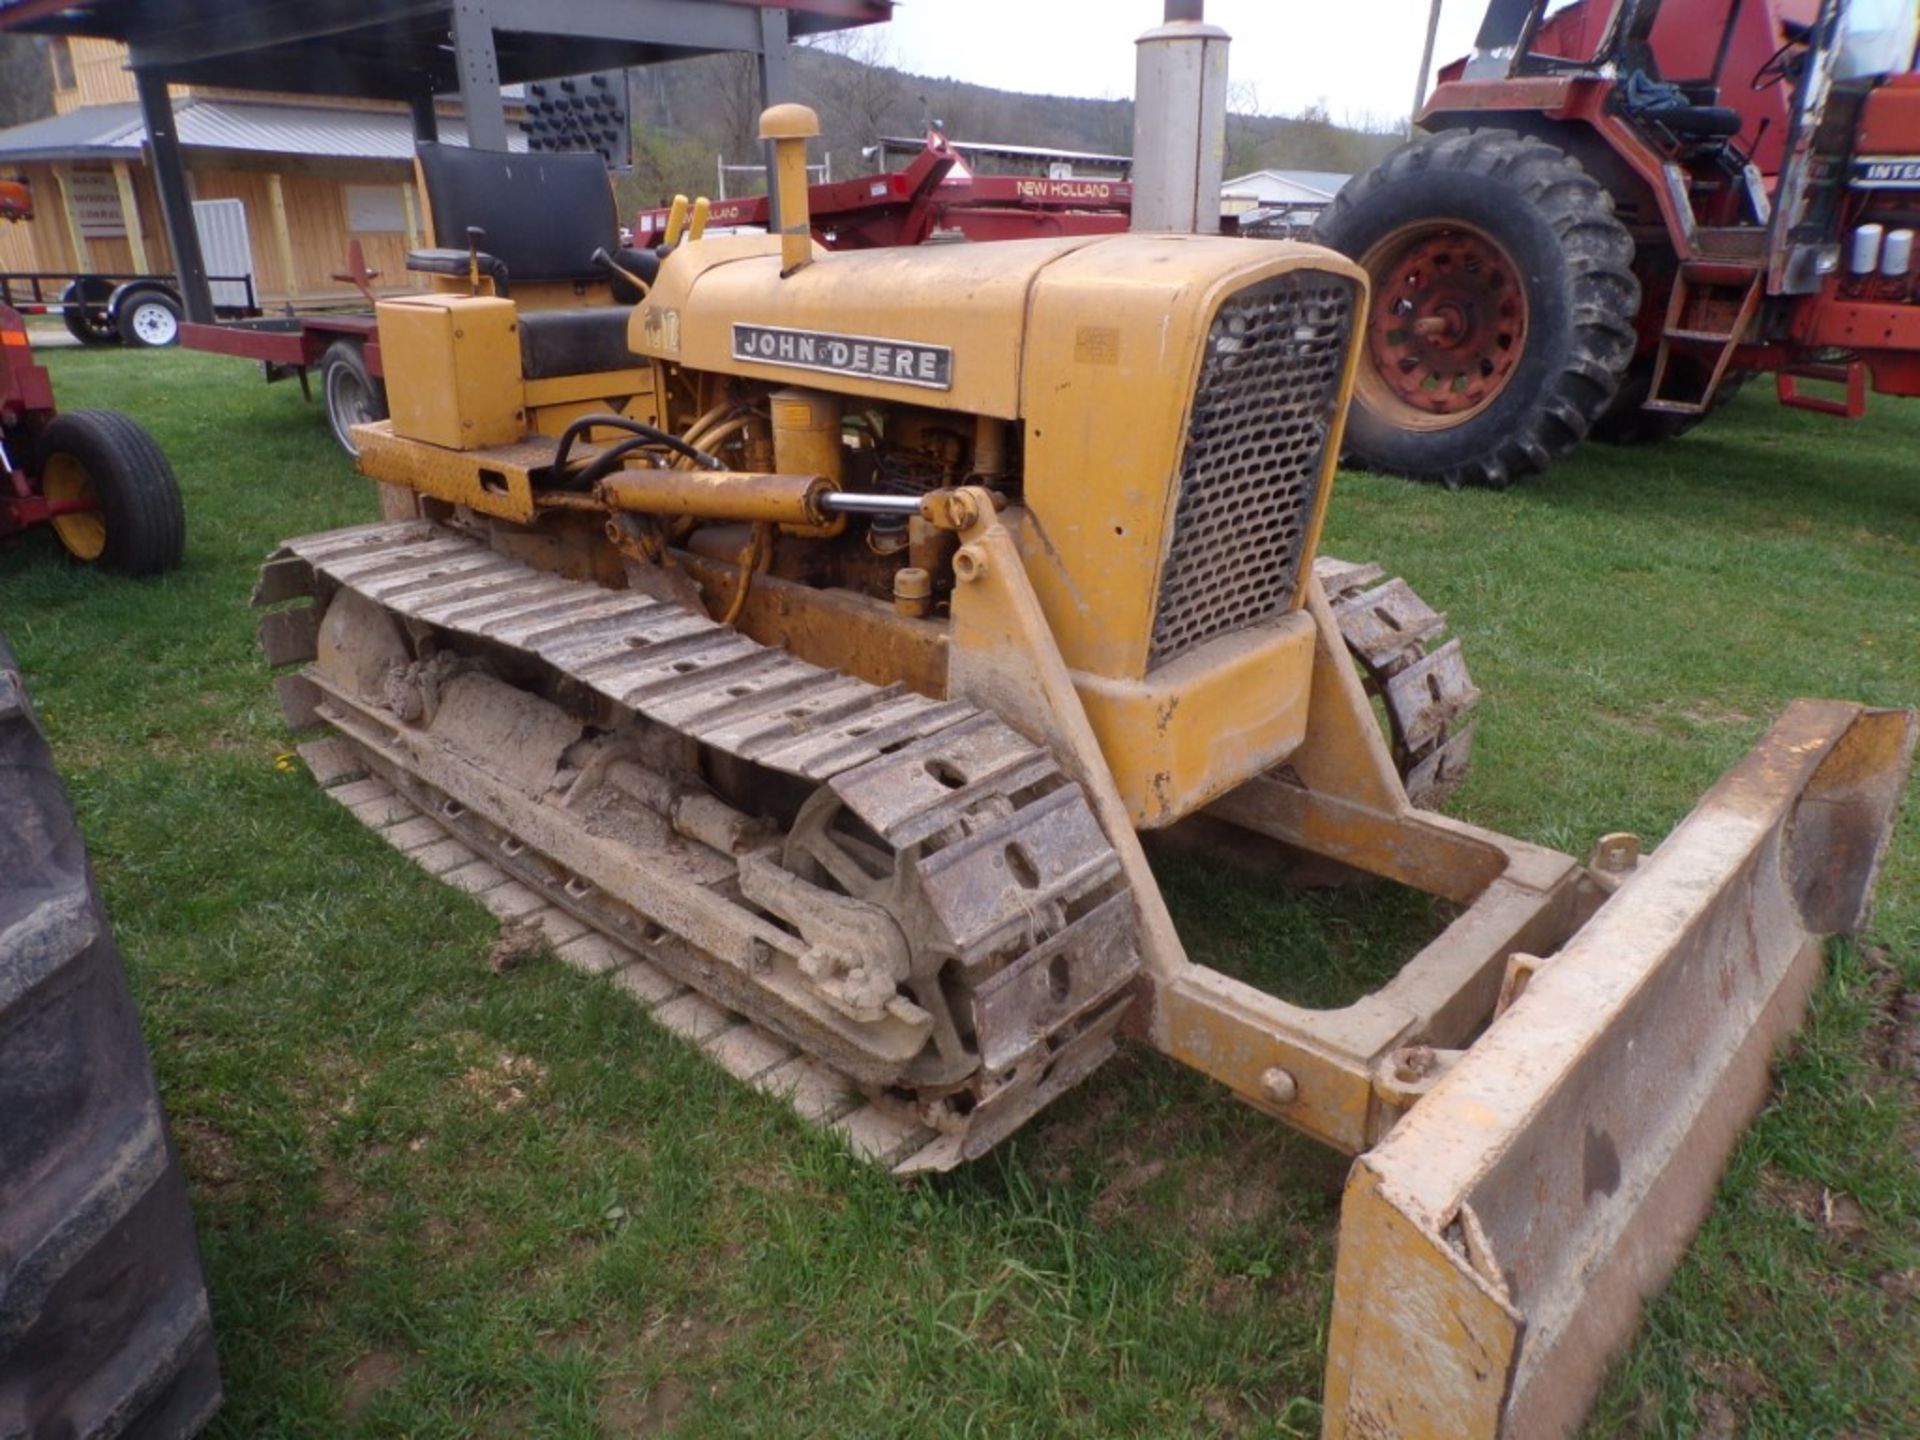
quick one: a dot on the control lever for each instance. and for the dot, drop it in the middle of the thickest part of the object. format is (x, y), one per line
(676, 221)
(475, 237)
(601, 260)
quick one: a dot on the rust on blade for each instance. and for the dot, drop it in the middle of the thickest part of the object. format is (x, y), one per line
(1497, 1246)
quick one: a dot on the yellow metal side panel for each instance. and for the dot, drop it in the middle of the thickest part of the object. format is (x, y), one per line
(1114, 344)
(971, 299)
(606, 386)
(452, 366)
(554, 404)
(493, 482)
(1195, 728)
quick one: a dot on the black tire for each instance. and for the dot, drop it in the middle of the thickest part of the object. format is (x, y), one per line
(1625, 423)
(148, 319)
(353, 396)
(104, 1324)
(129, 477)
(84, 311)
(1574, 261)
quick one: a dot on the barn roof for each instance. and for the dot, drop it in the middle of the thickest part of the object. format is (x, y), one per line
(1289, 186)
(396, 49)
(117, 132)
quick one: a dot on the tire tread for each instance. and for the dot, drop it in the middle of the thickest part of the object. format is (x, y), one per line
(139, 496)
(104, 1322)
(1603, 292)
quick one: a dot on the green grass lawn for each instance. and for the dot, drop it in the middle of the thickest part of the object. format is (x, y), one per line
(438, 1201)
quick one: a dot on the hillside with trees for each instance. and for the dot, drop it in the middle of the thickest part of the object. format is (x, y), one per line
(689, 112)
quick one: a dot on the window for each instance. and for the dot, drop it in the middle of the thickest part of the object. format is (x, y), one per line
(374, 209)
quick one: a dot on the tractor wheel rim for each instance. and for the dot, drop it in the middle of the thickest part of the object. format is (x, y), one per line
(155, 324)
(83, 532)
(348, 404)
(1448, 327)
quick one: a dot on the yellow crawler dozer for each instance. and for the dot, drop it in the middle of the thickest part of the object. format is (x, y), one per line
(814, 636)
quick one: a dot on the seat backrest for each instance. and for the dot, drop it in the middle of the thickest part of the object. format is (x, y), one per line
(544, 213)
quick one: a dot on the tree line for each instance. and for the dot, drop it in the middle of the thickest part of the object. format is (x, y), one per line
(688, 113)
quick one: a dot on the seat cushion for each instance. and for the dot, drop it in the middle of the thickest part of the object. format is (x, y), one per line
(574, 342)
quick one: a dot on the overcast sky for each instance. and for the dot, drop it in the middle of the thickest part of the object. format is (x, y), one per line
(1358, 56)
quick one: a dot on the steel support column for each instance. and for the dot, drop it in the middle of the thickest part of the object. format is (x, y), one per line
(176, 204)
(776, 88)
(1426, 69)
(479, 68)
(426, 120)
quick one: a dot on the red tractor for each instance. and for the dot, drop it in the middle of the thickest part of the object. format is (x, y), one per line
(95, 476)
(1622, 211)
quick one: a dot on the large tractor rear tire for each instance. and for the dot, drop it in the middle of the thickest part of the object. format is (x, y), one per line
(1503, 306)
(140, 525)
(104, 1325)
(1625, 422)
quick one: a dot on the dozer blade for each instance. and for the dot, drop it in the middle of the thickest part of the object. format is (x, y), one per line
(1496, 1247)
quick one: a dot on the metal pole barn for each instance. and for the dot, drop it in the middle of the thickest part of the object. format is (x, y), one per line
(409, 51)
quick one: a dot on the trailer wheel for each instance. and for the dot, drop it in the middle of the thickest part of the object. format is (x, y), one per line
(138, 525)
(1503, 306)
(83, 310)
(149, 319)
(104, 1324)
(353, 396)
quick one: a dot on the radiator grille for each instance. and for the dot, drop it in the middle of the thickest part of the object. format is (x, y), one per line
(1251, 473)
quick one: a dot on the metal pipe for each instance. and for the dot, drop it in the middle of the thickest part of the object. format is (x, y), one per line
(714, 436)
(1426, 69)
(854, 502)
(1180, 124)
(788, 128)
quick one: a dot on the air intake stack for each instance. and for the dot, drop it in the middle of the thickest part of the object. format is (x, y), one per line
(1180, 123)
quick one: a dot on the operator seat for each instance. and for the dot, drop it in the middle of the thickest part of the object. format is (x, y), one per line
(537, 220)
(1668, 107)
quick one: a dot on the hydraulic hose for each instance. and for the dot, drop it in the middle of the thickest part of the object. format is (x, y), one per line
(650, 434)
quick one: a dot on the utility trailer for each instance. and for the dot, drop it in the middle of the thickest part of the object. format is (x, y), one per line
(344, 346)
(114, 309)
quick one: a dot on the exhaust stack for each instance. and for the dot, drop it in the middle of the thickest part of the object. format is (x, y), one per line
(789, 127)
(1180, 123)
